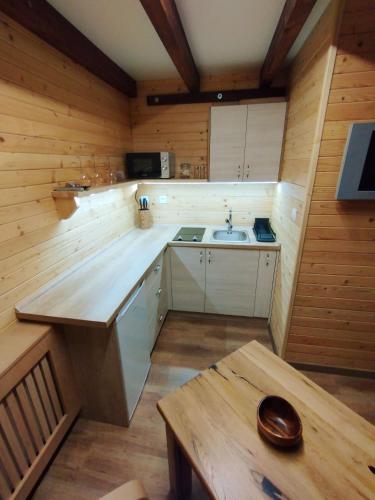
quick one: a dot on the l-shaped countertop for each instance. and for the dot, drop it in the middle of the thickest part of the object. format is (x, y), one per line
(92, 292)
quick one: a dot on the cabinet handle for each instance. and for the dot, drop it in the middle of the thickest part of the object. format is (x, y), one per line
(161, 317)
(201, 257)
(238, 175)
(157, 268)
(158, 293)
(209, 257)
(267, 264)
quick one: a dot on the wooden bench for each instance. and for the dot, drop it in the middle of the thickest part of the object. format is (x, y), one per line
(38, 403)
(132, 490)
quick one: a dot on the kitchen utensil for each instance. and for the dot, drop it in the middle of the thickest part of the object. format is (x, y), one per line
(145, 220)
(185, 171)
(278, 422)
(111, 173)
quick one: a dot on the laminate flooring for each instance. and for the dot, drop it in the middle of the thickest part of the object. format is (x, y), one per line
(96, 457)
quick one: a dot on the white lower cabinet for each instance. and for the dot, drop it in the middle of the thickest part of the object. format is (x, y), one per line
(231, 277)
(222, 281)
(264, 288)
(157, 298)
(133, 338)
(137, 327)
(188, 278)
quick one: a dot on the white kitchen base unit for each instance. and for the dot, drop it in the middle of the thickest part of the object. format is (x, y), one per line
(231, 277)
(133, 339)
(236, 282)
(188, 270)
(111, 364)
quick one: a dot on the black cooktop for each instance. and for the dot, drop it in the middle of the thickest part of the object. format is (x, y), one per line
(190, 234)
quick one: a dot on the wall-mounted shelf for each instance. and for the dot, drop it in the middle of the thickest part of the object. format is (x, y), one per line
(67, 202)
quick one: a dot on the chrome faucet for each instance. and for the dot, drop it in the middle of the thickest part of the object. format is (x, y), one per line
(228, 221)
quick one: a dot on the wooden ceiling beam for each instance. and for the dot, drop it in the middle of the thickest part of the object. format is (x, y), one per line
(216, 96)
(39, 17)
(166, 20)
(291, 21)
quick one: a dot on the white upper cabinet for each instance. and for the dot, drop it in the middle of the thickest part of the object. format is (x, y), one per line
(227, 139)
(246, 142)
(264, 141)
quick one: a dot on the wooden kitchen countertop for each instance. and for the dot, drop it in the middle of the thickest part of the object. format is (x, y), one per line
(92, 293)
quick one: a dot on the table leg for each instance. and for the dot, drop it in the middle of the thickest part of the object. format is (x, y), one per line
(179, 468)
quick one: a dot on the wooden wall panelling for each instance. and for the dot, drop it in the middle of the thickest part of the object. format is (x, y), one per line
(333, 320)
(38, 403)
(310, 77)
(179, 128)
(57, 120)
(208, 203)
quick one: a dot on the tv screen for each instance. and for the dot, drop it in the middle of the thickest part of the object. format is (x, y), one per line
(367, 182)
(357, 175)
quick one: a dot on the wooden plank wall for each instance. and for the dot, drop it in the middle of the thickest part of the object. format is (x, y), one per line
(209, 203)
(333, 321)
(307, 82)
(180, 128)
(53, 115)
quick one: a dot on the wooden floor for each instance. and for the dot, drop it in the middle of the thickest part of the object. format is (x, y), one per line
(97, 458)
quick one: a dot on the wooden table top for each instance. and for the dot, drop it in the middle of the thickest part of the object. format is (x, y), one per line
(213, 418)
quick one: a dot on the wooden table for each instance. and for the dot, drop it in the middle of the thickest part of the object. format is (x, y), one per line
(211, 427)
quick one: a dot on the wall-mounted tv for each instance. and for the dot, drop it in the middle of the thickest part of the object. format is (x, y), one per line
(357, 175)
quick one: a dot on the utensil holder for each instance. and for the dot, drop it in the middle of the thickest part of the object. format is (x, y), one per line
(145, 221)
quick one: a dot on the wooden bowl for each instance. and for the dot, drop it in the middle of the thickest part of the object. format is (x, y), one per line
(278, 422)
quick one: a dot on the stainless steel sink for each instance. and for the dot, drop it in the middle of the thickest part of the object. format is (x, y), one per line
(223, 235)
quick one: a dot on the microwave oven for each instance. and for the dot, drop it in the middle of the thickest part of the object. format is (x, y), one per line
(160, 165)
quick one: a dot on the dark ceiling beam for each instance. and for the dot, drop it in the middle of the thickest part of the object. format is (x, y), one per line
(166, 20)
(39, 17)
(216, 96)
(291, 21)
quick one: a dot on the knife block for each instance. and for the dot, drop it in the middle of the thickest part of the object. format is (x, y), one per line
(145, 221)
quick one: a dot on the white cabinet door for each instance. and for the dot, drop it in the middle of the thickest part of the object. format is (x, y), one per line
(188, 278)
(231, 277)
(155, 285)
(133, 340)
(266, 272)
(227, 142)
(264, 139)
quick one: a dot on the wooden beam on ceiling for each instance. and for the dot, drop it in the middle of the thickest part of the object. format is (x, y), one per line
(166, 20)
(39, 17)
(291, 21)
(216, 96)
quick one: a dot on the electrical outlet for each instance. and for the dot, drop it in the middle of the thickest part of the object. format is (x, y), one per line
(163, 199)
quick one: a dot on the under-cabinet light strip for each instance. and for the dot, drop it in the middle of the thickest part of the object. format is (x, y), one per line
(206, 183)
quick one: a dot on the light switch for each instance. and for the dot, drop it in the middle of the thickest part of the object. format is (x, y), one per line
(163, 198)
